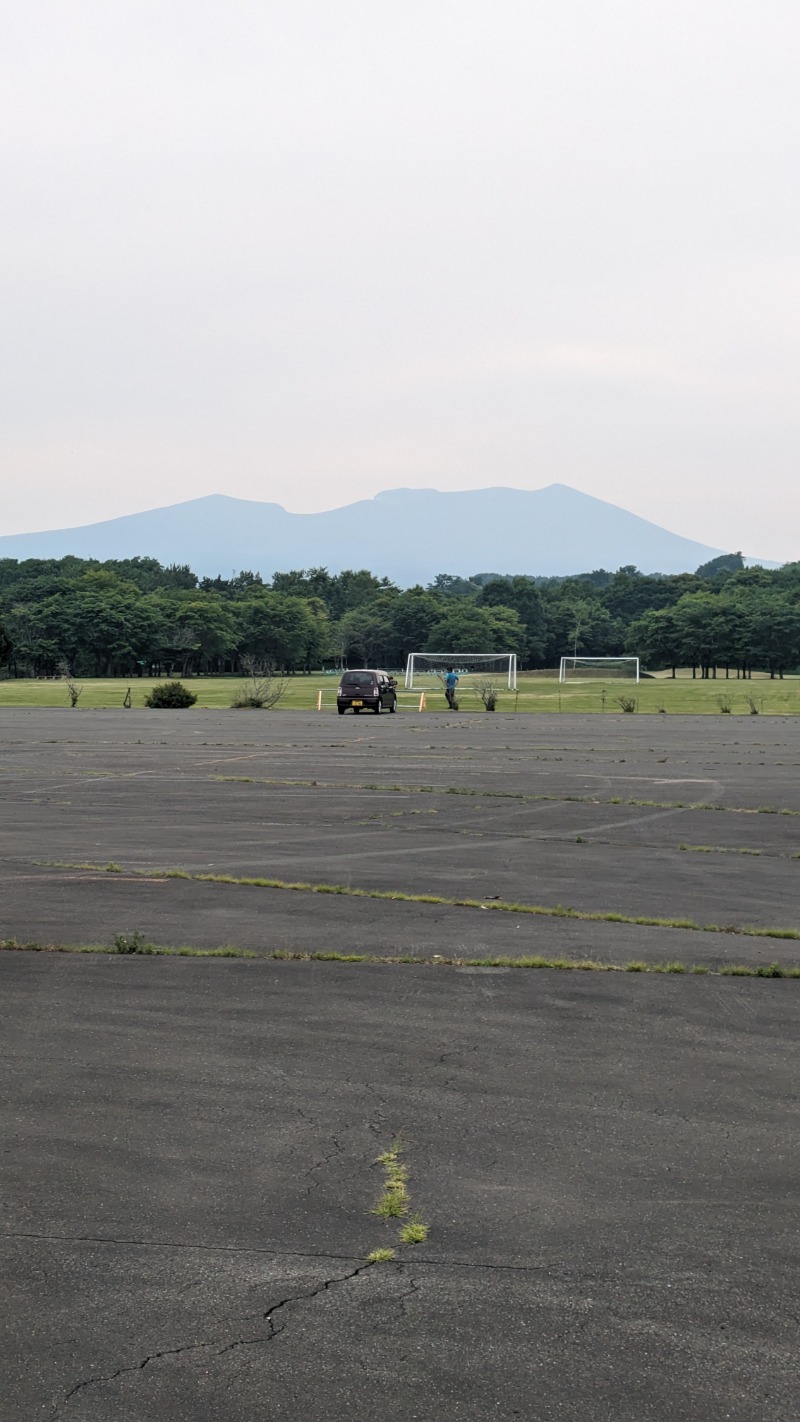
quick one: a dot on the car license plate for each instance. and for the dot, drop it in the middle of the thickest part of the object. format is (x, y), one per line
(358, 703)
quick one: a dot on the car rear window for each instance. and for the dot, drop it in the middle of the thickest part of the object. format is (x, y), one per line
(358, 679)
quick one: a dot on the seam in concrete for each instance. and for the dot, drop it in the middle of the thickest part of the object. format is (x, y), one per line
(419, 1260)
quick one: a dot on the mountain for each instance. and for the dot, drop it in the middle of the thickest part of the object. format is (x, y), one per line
(407, 534)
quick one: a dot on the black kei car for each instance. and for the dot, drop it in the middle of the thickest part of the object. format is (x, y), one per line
(366, 690)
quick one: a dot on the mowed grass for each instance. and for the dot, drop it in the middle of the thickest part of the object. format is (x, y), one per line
(661, 695)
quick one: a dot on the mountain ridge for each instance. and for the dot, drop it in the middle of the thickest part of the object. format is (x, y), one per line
(407, 534)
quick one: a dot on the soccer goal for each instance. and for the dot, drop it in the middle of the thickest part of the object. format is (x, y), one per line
(422, 668)
(590, 668)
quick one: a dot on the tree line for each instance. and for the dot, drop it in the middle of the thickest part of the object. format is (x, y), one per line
(136, 617)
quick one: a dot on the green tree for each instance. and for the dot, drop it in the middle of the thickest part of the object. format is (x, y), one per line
(655, 639)
(522, 596)
(276, 629)
(725, 563)
(451, 585)
(581, 627)
(365, 634)
(6, 646)
(199, 630)
(464, 627)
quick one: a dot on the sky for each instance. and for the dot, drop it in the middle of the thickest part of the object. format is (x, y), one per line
(306, 250)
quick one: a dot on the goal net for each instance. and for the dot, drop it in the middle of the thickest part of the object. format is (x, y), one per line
(592, 668)
(426, 668)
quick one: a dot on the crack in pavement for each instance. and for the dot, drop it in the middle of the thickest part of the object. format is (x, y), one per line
(401, 1298)
(319, 1164)
(268, 1316)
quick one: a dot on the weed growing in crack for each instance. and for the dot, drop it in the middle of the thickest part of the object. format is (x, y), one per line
(395, 1201)
(499, 906)
(415, 1232)
(132, 943)
(380, 1256)
(392, 1205)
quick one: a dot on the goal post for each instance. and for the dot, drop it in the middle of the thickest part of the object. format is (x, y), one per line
(590, 668)
(422, 666)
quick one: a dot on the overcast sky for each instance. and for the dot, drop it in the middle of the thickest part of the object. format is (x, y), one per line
(305, 250)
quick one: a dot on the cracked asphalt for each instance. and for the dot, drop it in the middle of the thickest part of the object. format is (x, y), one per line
(608, 1166)
(608, 1162)
(596, 813)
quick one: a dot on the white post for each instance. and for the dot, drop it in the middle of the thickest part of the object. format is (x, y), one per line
(319, 699)
(422, 702)
(410, 672)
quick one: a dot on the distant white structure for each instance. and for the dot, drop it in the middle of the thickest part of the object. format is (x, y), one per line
(589, 668)
(432, 665)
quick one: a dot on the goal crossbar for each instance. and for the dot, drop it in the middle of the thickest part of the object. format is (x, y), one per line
(626, 666)
(463, 663)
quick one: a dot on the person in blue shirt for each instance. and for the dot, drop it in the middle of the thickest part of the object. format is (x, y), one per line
(450, 684)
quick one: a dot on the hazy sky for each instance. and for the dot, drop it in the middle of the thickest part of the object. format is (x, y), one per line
(305, 250)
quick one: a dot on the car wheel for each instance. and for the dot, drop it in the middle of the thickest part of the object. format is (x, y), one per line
(393, 706)
(378, 707)
(341, 710)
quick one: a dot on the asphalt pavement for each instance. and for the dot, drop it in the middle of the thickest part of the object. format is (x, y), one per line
(606, 1162)
(607, 1165)
(680, 818)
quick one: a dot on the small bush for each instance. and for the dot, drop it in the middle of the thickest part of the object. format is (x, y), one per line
(263, 688)
(170, 695)
(487, 691)
(627, 703)
(725, 704)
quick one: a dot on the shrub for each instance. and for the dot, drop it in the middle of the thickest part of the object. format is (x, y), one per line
(170, 695)
(263, 688)
(487, 691)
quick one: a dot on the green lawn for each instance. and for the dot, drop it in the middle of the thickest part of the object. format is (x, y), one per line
(536, 693)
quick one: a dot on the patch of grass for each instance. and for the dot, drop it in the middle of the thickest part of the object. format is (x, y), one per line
(132, 943)
(495, 905)
(126, 944)
(718, 849)
(391, 1206)
(380, 1256)
(394, 1201)
(775, 970)
(332, 957)
(514, 795)
(113, 868)
(415, 1231)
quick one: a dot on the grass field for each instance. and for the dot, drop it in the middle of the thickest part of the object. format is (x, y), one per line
(683, 696)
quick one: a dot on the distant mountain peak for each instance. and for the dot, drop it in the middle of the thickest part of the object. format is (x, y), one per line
(408, 534)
